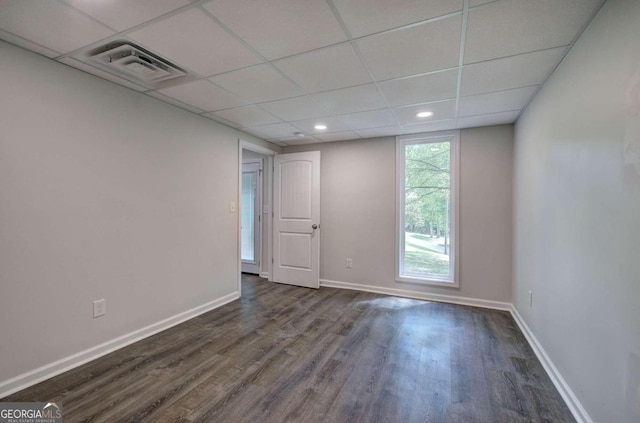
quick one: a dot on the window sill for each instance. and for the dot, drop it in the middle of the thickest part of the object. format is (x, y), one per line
(442, 283)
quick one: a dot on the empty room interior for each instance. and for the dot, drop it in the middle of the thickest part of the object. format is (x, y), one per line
(320, 210)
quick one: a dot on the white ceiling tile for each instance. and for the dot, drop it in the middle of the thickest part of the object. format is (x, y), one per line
(203, 95)
(27, 45)
(420, 89)
(364, 17)
(255, 133)
(52, 24)
(173, 101)
(419, 49)
(437, 125)
(326, 69)
(195, 41)
(221, 120)
(123, 14)
(100, 73)
(380, 132)
(509, 72)
(279, 28)
(276, 130)
(333, 124)
(505, 28)
(372, 119)
(474, 3)
(350, 100)
(500, 101)
(277, 142)
(338, 136)
(441, 110)
(258, 83)
(295, 108)
(487, 120)
(247, 116)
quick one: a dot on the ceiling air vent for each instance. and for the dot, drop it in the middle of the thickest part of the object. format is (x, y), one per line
(135, 64)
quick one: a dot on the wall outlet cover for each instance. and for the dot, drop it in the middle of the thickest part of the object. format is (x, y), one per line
(99, 308)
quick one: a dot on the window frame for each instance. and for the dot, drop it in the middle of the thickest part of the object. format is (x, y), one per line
(452, 280)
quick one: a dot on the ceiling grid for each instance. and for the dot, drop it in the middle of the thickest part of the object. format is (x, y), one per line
(362, 68)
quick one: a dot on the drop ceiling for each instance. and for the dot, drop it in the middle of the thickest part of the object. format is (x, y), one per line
(363, 68)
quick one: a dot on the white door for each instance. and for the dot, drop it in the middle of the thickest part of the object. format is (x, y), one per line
(250, 214)
(296, 219)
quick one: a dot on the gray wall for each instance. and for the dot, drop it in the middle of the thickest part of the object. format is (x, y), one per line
(358, 213)
(577, 215)
(104, 193)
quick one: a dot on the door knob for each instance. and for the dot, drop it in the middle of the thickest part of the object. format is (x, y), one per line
(314, 226)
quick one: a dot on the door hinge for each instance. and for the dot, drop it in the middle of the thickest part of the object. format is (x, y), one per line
(271, 260)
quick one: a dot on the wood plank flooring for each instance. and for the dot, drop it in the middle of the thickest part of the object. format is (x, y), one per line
(288, 354)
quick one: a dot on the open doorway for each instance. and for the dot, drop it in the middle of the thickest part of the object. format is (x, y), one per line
(251, 214)
(255, 197)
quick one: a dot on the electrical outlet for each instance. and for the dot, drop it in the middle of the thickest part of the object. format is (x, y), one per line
(232, 207)
(99, 308)
(530, 298)
(349, 263)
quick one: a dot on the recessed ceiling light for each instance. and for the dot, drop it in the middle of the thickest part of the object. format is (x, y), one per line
(424, 114)
(320, 127)
(299, 134)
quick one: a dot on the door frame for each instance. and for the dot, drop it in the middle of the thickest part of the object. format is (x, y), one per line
(266, 209)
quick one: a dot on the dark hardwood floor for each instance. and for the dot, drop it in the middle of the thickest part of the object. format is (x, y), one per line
(283, 353)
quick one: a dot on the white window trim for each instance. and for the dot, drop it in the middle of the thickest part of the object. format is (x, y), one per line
(454, 209)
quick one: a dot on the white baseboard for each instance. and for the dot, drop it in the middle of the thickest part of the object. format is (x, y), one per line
(578, 411)
(7, 387)
(264, 275)
(474, 302)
